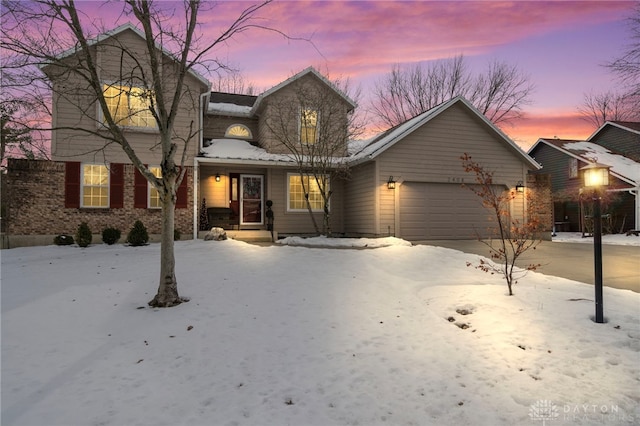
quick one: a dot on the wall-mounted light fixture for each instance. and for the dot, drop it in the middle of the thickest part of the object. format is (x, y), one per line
(217, 177)
(391, 184)
(519, 186)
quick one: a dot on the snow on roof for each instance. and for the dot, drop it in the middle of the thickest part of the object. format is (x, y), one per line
(619, 164)
(229, 109)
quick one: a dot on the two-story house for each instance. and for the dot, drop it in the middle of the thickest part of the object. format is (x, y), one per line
(615, 144)
(244, 164)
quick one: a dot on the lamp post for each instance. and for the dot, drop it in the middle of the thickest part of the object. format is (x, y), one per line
(596, 176)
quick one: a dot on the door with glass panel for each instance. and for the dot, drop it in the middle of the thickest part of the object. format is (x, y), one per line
(249, 198)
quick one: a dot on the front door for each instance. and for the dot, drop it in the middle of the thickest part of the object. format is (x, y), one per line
(250, 193)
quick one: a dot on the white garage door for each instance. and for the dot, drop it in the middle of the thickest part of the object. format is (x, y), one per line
(441, 211)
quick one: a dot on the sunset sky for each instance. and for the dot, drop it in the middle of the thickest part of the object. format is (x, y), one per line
(562, 45)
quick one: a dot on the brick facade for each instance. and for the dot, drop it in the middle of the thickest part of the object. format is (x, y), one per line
(541, 201)
(36, 197)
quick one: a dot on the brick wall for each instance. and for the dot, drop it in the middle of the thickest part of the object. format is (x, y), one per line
(541, 201)
(35, 203)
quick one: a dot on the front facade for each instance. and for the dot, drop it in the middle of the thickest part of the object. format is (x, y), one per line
(614, 144)
(248, 169)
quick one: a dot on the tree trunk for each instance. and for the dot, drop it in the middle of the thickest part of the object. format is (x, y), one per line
(168, 289)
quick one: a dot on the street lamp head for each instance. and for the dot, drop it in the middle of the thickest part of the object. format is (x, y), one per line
(595, 175)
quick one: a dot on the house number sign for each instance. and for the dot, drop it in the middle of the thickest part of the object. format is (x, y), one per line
(456, 180)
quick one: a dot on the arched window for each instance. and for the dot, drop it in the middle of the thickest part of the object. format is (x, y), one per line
(238, 131)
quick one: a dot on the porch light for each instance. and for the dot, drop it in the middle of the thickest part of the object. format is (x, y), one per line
(217, 177)
(596, 176)
(391, 184)
(519, 186)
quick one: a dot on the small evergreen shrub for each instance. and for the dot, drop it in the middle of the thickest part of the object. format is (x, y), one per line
(110, 235)
(138, 236)
(63, 240)
(176, 235)
(83, 235)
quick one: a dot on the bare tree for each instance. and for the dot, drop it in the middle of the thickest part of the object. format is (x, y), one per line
(627, 67)
(513, 236)
(499, 93)
(598, 108)
(37, 32)
(16, 136)
(313, 124)
(232, 81)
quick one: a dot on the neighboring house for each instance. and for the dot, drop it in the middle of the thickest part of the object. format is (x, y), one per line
(615, 144)
(240, 162)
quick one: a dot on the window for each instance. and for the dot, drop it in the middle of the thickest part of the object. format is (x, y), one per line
(130, 106)
(154, 195)
(238, 131)
(296, 198)
(573, 168)
(308, 126)
(95, 185)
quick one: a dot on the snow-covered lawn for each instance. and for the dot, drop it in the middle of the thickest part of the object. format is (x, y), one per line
(282, 335)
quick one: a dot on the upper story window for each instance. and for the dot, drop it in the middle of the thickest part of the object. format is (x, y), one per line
(238, 131)
(130, 106)
(573, 167)
(308, 126)
(154, 195)
(95, 185)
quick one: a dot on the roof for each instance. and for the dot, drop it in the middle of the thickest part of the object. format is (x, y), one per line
(119, 30)
(392, 136)
(631, 126)
(622, 167)
(230, 104)
(298, 76)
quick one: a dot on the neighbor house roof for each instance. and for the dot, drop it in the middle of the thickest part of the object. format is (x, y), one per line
(119, 30)
(630, 126)
(622, 167)
(307, 71)
(392, 136)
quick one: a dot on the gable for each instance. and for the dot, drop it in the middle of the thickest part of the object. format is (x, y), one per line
(432, 151)
(619, 138)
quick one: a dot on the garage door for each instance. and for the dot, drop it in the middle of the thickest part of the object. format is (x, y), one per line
(441, 211)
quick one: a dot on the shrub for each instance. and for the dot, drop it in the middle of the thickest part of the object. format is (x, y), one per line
(63, 240)
(110, 235)
(138, 236)
(176, 235)
(83, 235)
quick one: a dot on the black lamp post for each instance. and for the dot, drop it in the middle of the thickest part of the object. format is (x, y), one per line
(596, 176)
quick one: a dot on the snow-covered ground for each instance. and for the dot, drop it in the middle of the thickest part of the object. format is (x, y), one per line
(615, 239)
(283, 335)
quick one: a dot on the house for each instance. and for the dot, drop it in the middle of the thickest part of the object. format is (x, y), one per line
(245, 170)
(615, 144)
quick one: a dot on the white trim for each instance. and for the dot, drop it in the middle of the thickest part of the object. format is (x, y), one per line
(241, 199)
(227, 135)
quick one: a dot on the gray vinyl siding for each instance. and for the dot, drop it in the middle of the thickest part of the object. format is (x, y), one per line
(360, 201)
(432, 154)
(619, 141)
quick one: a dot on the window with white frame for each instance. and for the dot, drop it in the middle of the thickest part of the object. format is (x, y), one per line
(308, 126)
(130, 106)
(95, 185)
(154, 195)
(296, 200)
(573, 168)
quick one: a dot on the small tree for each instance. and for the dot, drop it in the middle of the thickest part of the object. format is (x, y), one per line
(204, 218)
(513, 237)
(138, 235)
(83, 235)
(313, 122)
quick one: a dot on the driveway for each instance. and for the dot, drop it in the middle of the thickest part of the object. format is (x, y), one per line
(574, 261)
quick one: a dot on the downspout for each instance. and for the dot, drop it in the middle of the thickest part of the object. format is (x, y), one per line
(203, 97)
